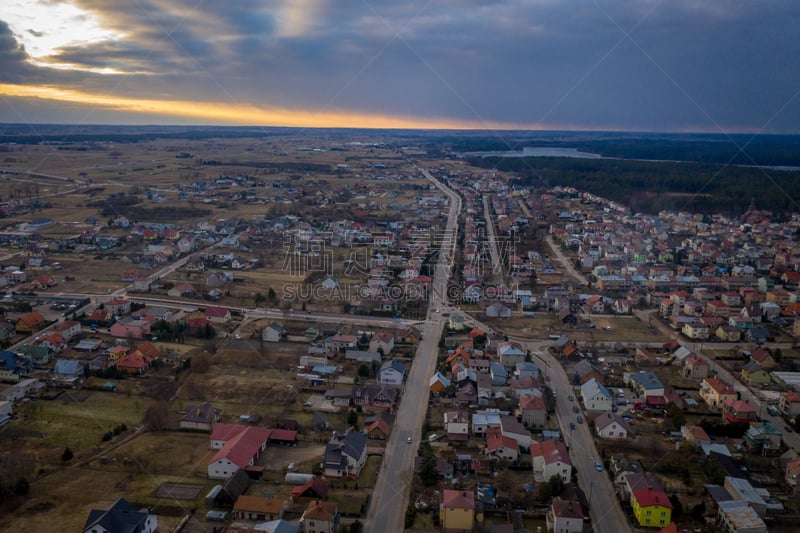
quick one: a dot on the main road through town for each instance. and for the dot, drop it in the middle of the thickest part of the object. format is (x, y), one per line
(390, 496)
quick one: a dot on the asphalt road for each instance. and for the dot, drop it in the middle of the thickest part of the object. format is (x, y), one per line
(390, 496)
(604, 509)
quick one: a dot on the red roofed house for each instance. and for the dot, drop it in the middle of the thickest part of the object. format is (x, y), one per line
(738, 411)
(652, 507)
(239, 452)
(382, 341)
(499, 446)
(533, 411)
(792, 477)
(30, 322)
(134, 363)
(102, 315)
(149, 350)
(550, 458)
(714, 392)
(217, 315)
(43, 282)
(54, 341)
(457, 511)
(789, 404)
(320, 517)
(695, 434)
(313, 489)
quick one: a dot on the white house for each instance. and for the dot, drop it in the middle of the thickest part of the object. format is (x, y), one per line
(550, 458)
(346, 455)
(612, 426)
(272, 333)
(392, 373)
(513, 428)
(565, 516)
(595, 396)
(501, 446)
(382, 341)
(240, 451)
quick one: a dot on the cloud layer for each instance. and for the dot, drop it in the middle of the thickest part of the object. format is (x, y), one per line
(669, 65)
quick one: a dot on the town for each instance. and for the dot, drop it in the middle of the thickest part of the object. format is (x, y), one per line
(329, 333)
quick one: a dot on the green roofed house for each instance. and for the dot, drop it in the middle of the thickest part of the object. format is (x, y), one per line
(40, 355)
(763, 436)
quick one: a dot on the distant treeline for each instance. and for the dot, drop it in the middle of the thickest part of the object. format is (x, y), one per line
(649, 187)
(772, 150)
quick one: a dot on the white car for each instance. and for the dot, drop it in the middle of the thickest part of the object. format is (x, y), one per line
(408, 440)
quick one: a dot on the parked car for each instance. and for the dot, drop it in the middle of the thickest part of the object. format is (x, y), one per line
(598, 466)
(788, 428)
(575, 408)
(408, 440)
(433, 437)
(572, 425)
(580, 420)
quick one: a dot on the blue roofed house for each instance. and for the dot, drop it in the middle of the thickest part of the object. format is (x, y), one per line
(510, 353)
(499, 374)
(68, 373)
(121, 517)
(200, 417)
(644, 384)
(595, 396)
(345, 455)
(392, 372)
(12, 367)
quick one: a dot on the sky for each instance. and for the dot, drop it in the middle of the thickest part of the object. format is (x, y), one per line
(720, 66)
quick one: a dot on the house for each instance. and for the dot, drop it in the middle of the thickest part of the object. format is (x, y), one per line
(380, 426)
(595, 396)
(344, 342)
(612, 426)
(651, 507)
(134, 363)
(273, 333)
(510, 353)
(644, 383)
(313, 489)
(21, 389)
(345, 455)
(382, 342)
(201, 417)
(792, 477)
(753, 374)
(40, 355)
(239, 451)
(456, 322)
(120, 517)
(500, 446)
(498, 310)
(181, 289)
(118, 306)
(737, 516)
(763, 358)
(130, 328)
(69, 329)
(230, 490)
(513, 428)
(714, 392)
(456, 426)
(695, 367)
(695, 435)
(550, 458)
(763, 436)
(392, 373)
(533, 411)
(55, 342)
(217, 315)
(12, 366)
(257, 508)
(438, 383)
(320, 517)
(457, 511)
(789, 404)
(68, 373)
(565, 516)
(30, 322)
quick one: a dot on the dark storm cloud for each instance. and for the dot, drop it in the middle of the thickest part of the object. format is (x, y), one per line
(670, 64)
(12, 57)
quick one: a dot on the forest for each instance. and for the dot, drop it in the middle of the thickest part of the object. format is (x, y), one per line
(652, 186)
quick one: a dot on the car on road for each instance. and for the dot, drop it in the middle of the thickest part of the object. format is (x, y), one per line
(598, 466)
(408, 440)
(788, 428)
(575, 408)
(580, 420)
(570, 397)
(572, 425)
